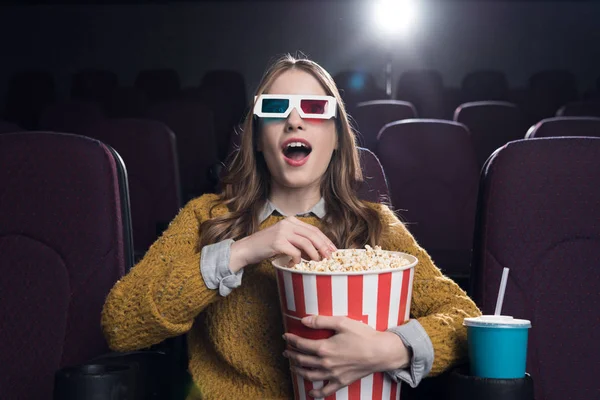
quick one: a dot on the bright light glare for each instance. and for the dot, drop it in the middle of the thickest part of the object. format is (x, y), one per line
(394, 16)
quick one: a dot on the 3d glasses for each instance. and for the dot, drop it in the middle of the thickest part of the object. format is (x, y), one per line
(308, 106)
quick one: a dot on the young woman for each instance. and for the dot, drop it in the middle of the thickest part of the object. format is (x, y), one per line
(290, 190)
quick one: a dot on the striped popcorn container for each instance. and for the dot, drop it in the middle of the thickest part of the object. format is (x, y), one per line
(379, 298)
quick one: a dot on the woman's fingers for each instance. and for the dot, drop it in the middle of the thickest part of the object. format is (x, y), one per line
(303, 360)
(318, 239)
(329, 389)
(287, 248)
(316, 232)
(306, 246)
(312, 374)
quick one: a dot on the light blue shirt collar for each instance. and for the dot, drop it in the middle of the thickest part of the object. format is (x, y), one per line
(318, 210)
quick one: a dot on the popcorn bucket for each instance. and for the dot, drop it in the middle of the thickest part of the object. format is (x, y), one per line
(379, 298)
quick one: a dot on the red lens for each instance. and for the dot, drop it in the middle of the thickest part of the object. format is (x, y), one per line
(313, 106)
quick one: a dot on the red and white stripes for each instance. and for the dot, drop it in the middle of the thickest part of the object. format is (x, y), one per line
(379, 300)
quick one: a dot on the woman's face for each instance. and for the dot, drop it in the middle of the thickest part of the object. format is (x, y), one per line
(291, 165)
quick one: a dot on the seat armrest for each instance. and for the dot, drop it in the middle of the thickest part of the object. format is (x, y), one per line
(463, 386)
(431, 388)
(136, 375)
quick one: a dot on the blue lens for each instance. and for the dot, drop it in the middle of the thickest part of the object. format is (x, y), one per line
(275, 106)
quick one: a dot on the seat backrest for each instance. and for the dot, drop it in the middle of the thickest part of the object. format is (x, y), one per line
(158, 84)
(484, 85)
(580, 109)
(492, 124)
(557, 82)
(224, 92)
(371, 116)
(8, 127)
(149, 151)
(93, 85)
(357, 86)
(374, 187)
(126, 102)
(192, 123)
(565, 126)
(425, 90)
(433, 175)
(63, 246)
(29, 92)
(538, 214)
(71, 116)
(231, 82)
(550, 90)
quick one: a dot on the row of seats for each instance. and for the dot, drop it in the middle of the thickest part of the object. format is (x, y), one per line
(65, 240)
(149, 151)
(222, 95)
(30, 91)
(501, 121)
(425, 89)
(491, 123)
(200, 144)
(432, 170)
(31, 98)
(99, 85)
(436, 153)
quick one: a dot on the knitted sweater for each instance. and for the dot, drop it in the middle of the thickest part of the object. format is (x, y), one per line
(235, 349)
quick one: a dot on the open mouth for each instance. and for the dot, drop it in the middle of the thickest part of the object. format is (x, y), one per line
(296, 151)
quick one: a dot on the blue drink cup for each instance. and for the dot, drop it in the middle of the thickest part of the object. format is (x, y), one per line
(497, 346)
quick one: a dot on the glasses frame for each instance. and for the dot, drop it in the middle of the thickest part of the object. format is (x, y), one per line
(295, 102)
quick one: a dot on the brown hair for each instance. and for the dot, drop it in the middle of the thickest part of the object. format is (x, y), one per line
(349, 222)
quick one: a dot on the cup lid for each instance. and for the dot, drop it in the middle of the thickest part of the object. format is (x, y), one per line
(497, 321)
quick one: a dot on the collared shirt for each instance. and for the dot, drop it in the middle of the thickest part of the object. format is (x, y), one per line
(214, 260)
(269, 208)
(214, 266)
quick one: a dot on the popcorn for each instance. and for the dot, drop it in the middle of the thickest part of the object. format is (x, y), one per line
(354, 260)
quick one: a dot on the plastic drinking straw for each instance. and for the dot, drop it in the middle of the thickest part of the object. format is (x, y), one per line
(501, 292)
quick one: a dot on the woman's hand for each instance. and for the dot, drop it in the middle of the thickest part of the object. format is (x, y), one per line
(355, 351)
(290, 236)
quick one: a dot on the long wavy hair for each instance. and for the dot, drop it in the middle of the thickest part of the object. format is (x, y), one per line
(349, 222)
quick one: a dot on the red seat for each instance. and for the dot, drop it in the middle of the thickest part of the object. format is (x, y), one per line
(65, 241)
(193, 126)
(71, 116)
(550, 90)
(580, 109)
(372, 116)
(158, 84)
(126, 102)
(357, 86)
(484, 85)
(538, 214)
(149, 151)
(565, 126)
(492, 124)
(433, 175)
(224, 92)
(93, 85)
(425, 90)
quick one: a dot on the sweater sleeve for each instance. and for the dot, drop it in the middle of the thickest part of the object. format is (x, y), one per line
(438, 303)
(162, 295)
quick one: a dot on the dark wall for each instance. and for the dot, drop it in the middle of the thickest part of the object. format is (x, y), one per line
(457, 37)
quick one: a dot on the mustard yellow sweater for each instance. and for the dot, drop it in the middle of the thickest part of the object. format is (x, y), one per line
(235, 350)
